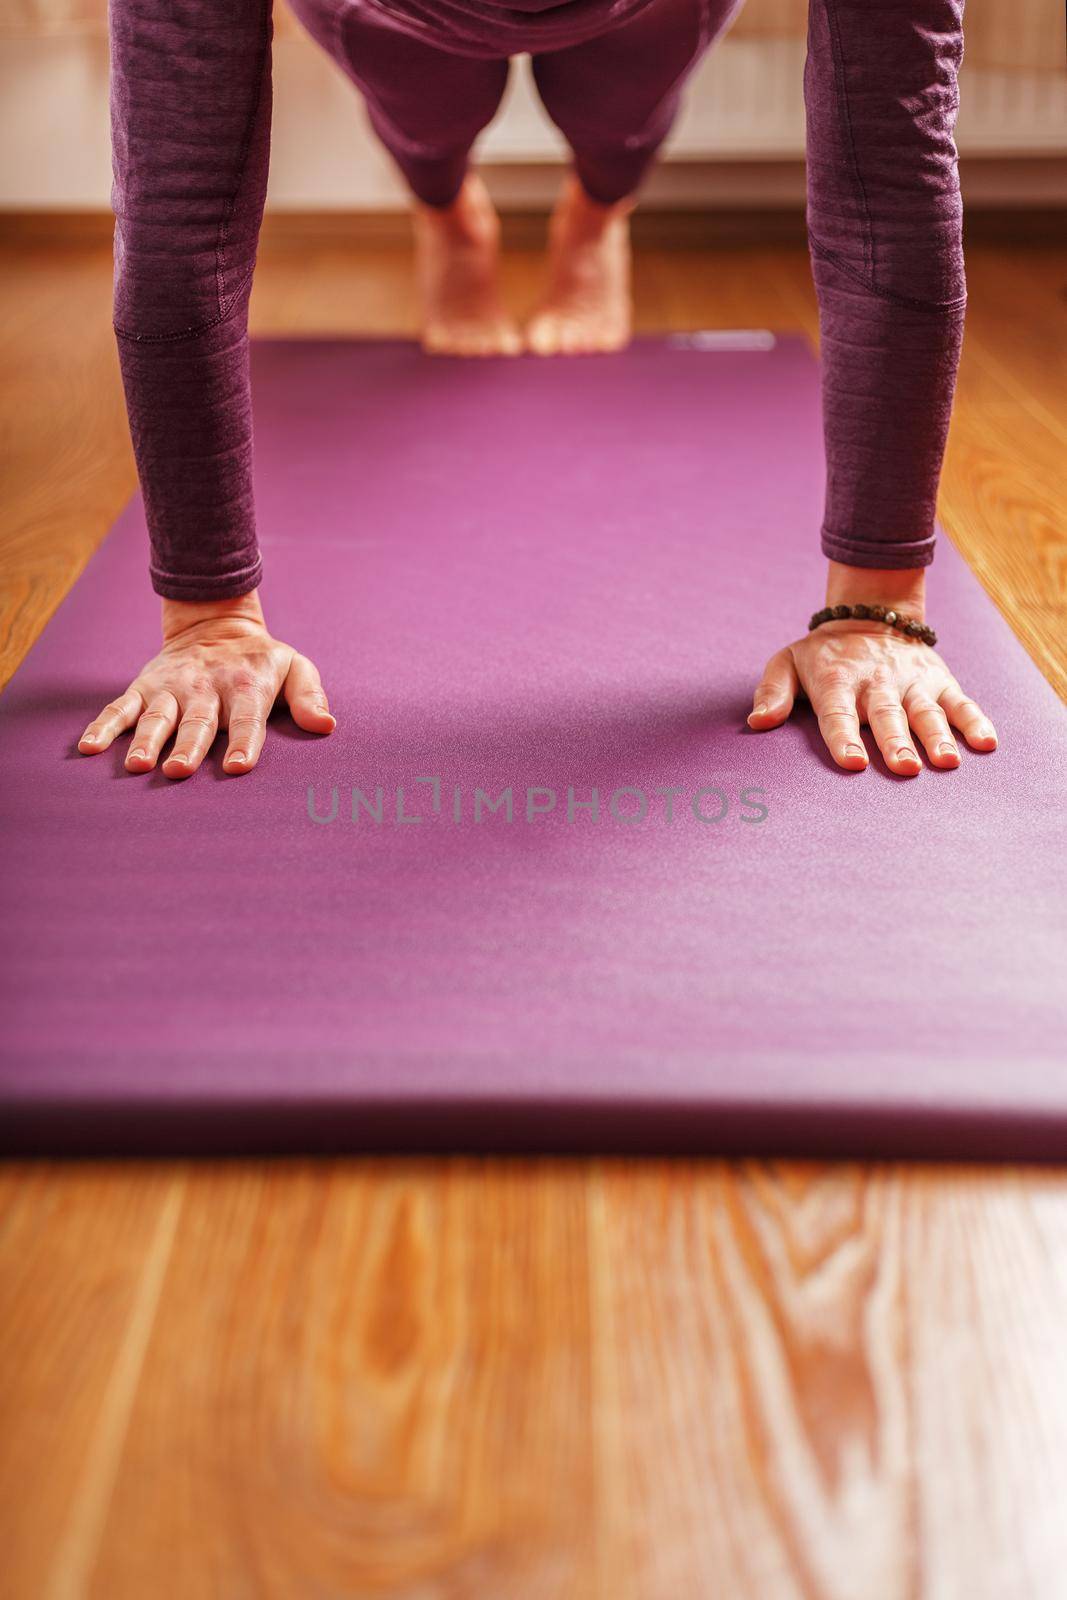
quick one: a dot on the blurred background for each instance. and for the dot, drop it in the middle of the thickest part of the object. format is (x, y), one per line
(739, 143)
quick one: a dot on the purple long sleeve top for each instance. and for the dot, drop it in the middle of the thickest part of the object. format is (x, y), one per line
(191, 108)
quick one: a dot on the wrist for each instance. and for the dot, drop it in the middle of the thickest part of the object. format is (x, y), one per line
(180, 615)
(904, 589)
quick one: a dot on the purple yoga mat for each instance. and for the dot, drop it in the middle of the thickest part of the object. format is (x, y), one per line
(533, 576)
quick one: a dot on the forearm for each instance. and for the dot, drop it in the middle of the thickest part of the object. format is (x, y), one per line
(885, 229)
(190, 416)
(888, 380)
(190, 107)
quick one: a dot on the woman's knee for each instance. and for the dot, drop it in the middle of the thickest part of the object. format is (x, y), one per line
(622, 88)
(424, 101)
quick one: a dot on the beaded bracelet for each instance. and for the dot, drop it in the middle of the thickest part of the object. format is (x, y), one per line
(907, 625)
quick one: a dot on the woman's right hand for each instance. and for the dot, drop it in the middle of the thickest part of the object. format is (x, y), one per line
(218, 668)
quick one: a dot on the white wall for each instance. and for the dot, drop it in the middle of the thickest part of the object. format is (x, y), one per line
(745, 103)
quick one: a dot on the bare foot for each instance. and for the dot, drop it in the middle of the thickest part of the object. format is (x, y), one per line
(457, 252)
(588, 306)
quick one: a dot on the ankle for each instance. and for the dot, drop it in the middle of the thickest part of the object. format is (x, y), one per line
(469, 218)
(580, 217)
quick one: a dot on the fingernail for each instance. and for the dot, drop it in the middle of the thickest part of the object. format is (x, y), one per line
(237, 755)
(181, 759)
(760, 710)
(947, 750)
(136, 755)
(856, 750)
(904, 754)
(987, 731)
(88, 738)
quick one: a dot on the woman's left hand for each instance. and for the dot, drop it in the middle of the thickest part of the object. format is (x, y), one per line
(857, 672)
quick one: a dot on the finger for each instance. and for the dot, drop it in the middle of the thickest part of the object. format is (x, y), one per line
(930, 724)
(839, 725)
(969, 718)
(196, 732)
(889, 724)
(777, 691)
(306, 697)
(247, 729)
(154, 728)
(113, 720)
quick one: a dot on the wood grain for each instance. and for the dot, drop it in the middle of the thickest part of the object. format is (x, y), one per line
(81, 1258)
(425, 1354)
(532, 1380)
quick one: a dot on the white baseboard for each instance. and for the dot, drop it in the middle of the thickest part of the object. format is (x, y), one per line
(738, 142)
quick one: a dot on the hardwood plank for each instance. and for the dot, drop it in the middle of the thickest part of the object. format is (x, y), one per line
(82, 1249)
(624, 1379)
(364, 1378)
(757, 1407)
(984, 1287)
(1016, 319)
(832, 1383)
(68, 463)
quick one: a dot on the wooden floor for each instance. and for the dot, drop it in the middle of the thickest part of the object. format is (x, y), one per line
(536, 1380)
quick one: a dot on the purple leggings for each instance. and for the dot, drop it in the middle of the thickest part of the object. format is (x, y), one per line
(191, 107)
(428, 104)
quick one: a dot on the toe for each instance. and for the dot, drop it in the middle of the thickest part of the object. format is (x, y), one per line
(613, 338)
(433, 340)
(508, 342)
(542, 336)
(573, 339)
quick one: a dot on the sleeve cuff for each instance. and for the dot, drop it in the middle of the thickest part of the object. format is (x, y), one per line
(220, 586)
(890, 556)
